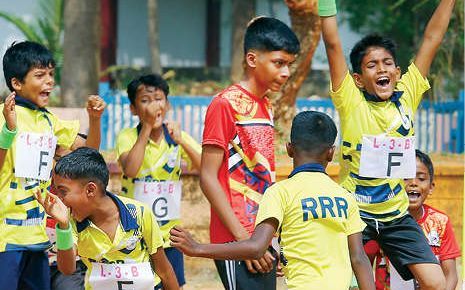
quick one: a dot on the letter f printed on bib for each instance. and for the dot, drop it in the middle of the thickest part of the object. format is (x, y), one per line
(387, 157)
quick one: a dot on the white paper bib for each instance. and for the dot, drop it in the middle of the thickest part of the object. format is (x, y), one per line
(137, 276)
(387, 157)
(163, 196)
(34, 155)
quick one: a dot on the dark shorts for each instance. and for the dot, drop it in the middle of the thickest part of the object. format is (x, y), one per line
(403, 242)
(235, 276)
(177, 262)
(75, 281)
(24, 270)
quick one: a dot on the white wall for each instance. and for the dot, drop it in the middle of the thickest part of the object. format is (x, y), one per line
(182, 32)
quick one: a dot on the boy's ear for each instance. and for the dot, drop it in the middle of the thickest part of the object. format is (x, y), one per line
(251, 59)
(133, 109)
(398, 73)
(290, 149)
(16, 84)
(91, 189)
(358, 80)
(431, 187)
(330, 153)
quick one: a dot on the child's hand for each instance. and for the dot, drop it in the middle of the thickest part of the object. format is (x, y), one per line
(95, 106)
(152, 114)
(9, 112)
(175, 131)
(54, 207)
(183, 241)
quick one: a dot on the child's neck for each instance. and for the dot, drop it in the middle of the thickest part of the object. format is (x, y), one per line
(417, 213)
(106, 216)
(156, 135)
(301, 161)
(254, 87)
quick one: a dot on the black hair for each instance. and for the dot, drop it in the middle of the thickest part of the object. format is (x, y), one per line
(270, 34)
(153, 80)
(361, 47)
(313, 132)
(424, 158)
(21, 57)
(84, 164)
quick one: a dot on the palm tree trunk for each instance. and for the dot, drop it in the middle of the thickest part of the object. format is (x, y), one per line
(306, 25)
(154, 41)
(81, 51)
(243, 11)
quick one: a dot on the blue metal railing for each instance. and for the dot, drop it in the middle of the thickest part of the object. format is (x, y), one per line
(439, 127)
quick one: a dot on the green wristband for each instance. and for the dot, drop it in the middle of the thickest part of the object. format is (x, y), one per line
(64, 238)
(327, 7)
(6, 137)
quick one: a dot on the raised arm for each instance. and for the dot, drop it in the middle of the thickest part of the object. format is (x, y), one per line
(337, 63)
(434, 33)
(95, 107)
(253, 248)
(360, 263)
(54, 207)
(8, 132)
(131, 161)
(175, 132)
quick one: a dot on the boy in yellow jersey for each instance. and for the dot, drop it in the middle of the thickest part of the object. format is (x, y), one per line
(317, 221)
(150, 156)
(117, 238)
(377, 105)
(28, 138)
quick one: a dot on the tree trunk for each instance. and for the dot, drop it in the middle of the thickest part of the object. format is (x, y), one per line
(154, 40)
(81, 51)
(243, 11)
(306, 25)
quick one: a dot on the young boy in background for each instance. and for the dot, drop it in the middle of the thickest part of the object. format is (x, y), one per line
(238, 149)
(150, 156)
(29, 136)
(377, 106)
(317, 221)
(117, 238)
(435, 224)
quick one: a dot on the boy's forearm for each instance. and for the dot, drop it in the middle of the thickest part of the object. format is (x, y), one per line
(194, 156)
(450, 272)
(66, 261)
(434, 33)
(242, 250)
(135, 156)
(363, 272)
(93, 138)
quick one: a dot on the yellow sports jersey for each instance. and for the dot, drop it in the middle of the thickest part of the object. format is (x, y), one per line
(362, 114)
(22, 219)
(162, 162)
(315, 217)
(137, 237)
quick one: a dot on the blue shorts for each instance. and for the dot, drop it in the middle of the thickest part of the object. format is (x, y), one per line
(177, 262)
(26, 270)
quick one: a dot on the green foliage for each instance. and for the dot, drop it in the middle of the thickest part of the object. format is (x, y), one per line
(405, 21)
(47, 30)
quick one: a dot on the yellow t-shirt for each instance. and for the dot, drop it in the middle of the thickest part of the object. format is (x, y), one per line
(22, 219)
(315, 218)
(382, 199)
(162, 162)
(137, 237)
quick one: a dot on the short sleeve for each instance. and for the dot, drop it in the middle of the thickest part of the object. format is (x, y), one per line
(449, 248)
(193, 144)
(354, 222)
(347, 97)
(125, 141)
(66, 132)
(272, 205)
(74, 231)
(151, 231)
(414, 85)
(219, 124)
